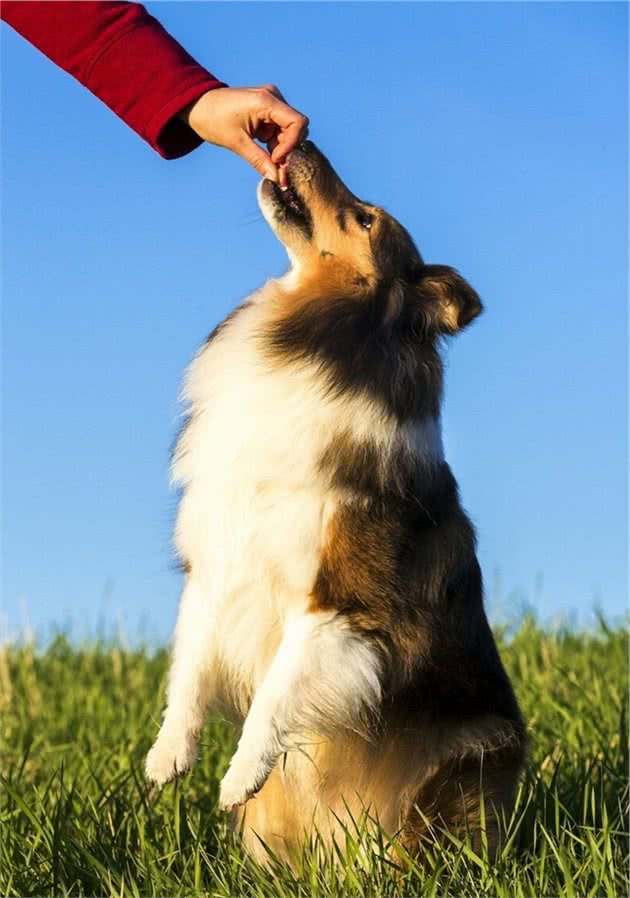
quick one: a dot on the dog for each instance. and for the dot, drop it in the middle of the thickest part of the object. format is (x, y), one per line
(333, 598)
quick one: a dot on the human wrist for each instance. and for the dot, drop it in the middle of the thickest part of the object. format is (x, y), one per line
(194, 114)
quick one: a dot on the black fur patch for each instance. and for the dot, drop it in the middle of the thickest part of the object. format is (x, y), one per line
(360, 350)
(395, 254)
(361, 468)
(403, 570)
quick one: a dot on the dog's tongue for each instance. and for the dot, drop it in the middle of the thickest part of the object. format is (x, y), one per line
(283, 177)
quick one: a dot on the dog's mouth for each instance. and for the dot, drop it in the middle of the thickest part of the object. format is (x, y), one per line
(286, 204)
(288, 199)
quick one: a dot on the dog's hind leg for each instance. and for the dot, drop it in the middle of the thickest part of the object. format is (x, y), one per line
(325, 675)
(175, 749)
(466, 796)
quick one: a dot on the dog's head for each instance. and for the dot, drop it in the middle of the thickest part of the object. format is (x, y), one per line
(351, 248)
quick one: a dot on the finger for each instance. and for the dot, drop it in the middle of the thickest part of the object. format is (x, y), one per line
(293, 128)
(287, 142)
(257, 158)
(272, 143)
(285, 116)
(273, 90)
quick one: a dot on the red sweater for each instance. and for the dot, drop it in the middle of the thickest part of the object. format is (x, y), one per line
(125, 57)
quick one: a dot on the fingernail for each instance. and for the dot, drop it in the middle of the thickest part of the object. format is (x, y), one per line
(271, 173)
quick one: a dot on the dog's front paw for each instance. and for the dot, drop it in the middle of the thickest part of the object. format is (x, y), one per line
(170, 757)
(242, 781)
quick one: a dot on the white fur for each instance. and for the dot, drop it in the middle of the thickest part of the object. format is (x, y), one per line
(321, 677)
(251, 523)
(175, 749)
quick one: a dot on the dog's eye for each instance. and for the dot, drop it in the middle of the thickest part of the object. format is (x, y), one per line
(364, 219)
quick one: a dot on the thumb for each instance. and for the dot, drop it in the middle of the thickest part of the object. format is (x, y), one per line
(257, 157)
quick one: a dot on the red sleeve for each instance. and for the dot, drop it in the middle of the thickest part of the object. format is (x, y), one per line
(125, 57)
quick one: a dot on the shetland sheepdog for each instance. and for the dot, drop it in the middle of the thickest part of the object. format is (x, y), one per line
(332, 597)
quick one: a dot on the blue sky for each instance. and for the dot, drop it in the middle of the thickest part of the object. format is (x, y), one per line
(496, 132)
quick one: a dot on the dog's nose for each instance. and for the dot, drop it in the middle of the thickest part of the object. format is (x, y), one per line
(306, 146)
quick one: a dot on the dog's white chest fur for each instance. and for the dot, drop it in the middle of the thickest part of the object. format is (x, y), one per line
(251, 515)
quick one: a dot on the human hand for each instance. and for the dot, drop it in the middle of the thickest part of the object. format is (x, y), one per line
(234, 117)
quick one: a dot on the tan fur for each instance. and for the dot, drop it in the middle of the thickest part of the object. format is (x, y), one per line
(332, 249)
(320, 279)
(407, 780)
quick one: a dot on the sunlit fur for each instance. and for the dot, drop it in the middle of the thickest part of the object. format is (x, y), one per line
(333, 599)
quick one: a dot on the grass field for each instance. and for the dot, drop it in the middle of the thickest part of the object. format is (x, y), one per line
(77, 817)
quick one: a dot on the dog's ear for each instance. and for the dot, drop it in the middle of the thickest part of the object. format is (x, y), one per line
(450, 300)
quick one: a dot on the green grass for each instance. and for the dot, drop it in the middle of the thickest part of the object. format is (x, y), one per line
(77, 817)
